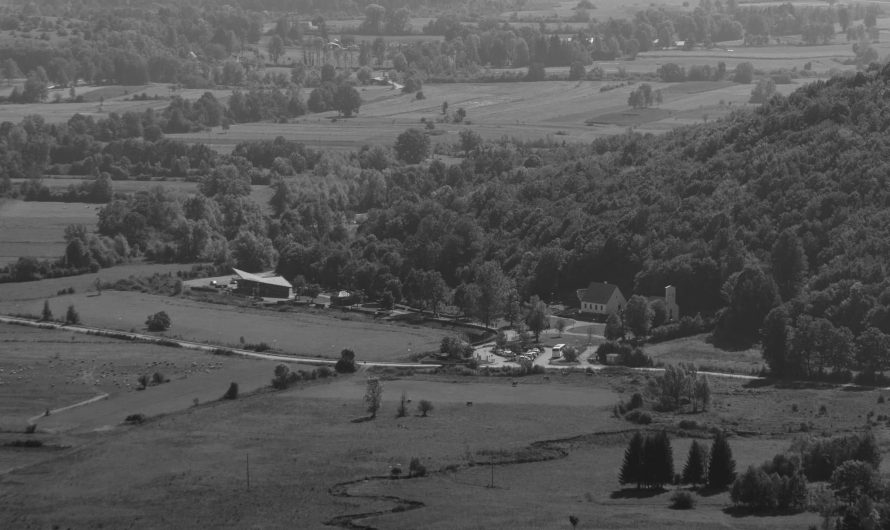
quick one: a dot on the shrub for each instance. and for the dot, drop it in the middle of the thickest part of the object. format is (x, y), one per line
(324, 372)
(47, 313)
(424, 407)
(135, 418)
(688, 425)
(636, 401)
(638, 417)
(31, 428)
(284, 378)
(416, 469)
(158, 378)
(24, 443)
(682, 500)
(159, 321)
(143, 380)
(402, 411)
(232, 392)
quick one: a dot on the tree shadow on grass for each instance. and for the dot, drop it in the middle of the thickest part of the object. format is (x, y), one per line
(747, 511)
(708, 491)
(636, 493)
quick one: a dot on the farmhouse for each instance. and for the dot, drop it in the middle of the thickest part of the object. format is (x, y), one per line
(670, 302)
(266, 285)
(601, 299)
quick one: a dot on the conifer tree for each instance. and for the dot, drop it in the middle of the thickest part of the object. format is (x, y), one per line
(660, 460)
(695, 470)
(632, 467)
(47, 312)
(721, 471)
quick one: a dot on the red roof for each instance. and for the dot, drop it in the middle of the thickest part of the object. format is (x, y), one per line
(597, 293)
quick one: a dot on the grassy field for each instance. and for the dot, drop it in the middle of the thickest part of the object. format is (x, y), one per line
(189, 469)
(302, 333)
(558, 110)
(702, 353)
(37, 229)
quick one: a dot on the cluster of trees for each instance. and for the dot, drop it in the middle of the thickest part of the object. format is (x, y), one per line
(649, 462)
(848, 463)
(683, 384)
(643, 96)
(130, 45)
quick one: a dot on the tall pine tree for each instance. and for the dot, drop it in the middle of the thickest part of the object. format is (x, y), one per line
(721, 471)
(632, 467)
(695, 471)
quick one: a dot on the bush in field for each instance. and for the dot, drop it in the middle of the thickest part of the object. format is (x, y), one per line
(47, 313)
(638, 417)
(72, 316)
(373, 396)
(135, 418)
(159, 321)
(232, 392)
(416, 469)
(284, 378)
(323, 372)
(424, 407)
(682, 500)
(402, 411)
(144, 380)
(158, 378)
(346, 363)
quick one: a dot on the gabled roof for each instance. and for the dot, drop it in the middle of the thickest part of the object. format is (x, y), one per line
(268, 278)
(597, 293)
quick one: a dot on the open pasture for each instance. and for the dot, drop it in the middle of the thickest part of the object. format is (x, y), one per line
(699, 351)
(37, 229)
(50, 369)
(300, 333)
(557, 110)
(189, 469)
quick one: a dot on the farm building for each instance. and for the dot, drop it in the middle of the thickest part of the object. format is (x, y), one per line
(670, 302)
(266, 285)
(601, 299)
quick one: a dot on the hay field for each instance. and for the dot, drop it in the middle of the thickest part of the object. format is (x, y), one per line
(552, 109)
(37, 229)
(300, 333)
